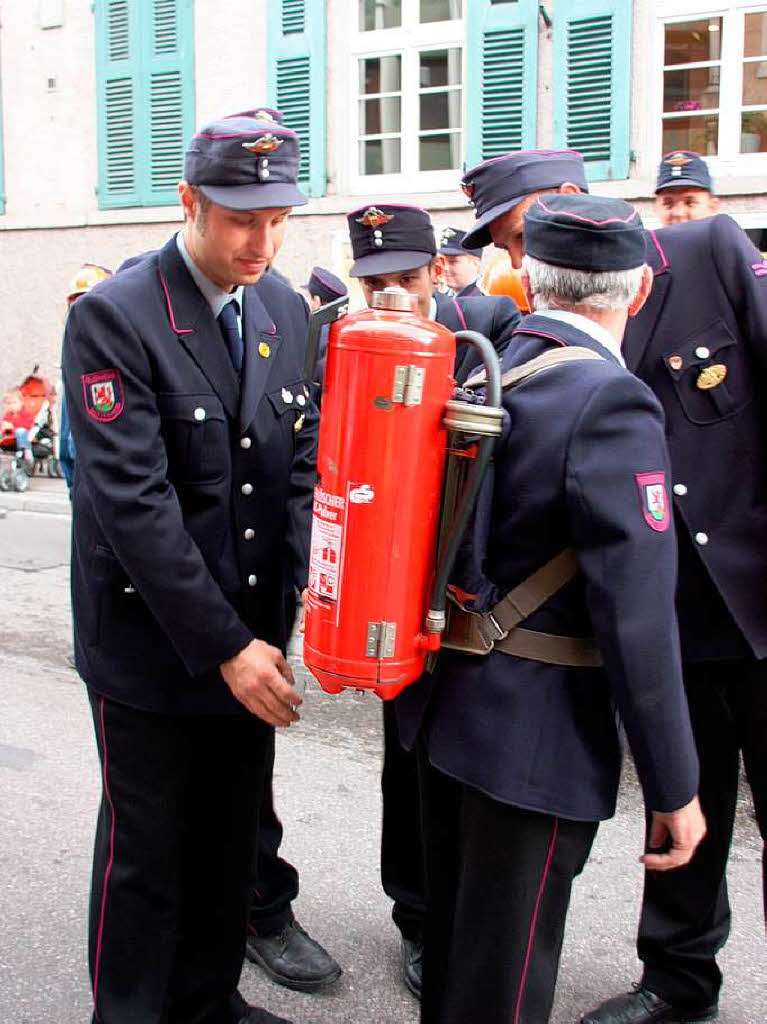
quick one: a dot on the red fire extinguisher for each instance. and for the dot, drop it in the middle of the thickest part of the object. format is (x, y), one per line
(375, 607)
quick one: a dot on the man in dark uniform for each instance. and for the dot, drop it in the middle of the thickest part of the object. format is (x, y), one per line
(684, 190)
(323, 287)
(461, 266)
(394, 246)
(196, 443)
(520, 748)
(701, 344)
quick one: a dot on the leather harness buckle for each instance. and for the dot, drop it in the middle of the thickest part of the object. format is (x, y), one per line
(487, 625)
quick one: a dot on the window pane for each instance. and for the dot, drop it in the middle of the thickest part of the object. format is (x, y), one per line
(755, 83)
(375, 14)
(380, 156)
(380, 74)
(440, 110)
(379, 117)
(696, 133)
(440, 10)
(440, 152)
(753, 132)
(440, 67)
(691, 41)
(755, 41)
(691, 89)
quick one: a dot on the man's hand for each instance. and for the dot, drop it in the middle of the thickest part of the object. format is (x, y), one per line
(685, 828)
(302, 611)
(261, 679)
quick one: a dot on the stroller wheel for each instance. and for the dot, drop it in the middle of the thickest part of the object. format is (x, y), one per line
(5, 480)
(19, 480)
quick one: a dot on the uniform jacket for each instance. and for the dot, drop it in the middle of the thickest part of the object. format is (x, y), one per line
(708, 307)
(192, 497)
(494, 316)
(569, 472)
(469, 291)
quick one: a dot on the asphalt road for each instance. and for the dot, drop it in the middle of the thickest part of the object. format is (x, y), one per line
(327, 781)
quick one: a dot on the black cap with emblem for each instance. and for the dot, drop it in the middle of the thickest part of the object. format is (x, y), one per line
(245, 164)
(683, 169)
(326, 286)
(450, 240)
(390, 237)
(584, 232)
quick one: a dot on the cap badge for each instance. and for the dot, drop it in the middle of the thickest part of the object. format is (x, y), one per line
(265, 144)
(678, 160)
(467, 189)
(373, 217)
(264, 115)
(445, 235)
(711, 376)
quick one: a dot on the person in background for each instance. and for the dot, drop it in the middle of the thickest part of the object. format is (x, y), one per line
(684, 190)
(18, 420)
(461, 266)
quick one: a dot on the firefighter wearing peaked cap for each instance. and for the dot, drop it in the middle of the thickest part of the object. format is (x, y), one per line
(699, 343)
(196, 443)
(517, 739)
(462, 266)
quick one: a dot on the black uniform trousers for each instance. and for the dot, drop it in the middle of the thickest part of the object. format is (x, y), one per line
(505, 874)
(686, 913)
(402, 854)
(172, 861)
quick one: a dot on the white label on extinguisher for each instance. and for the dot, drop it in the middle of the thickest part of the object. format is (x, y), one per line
(327, 542)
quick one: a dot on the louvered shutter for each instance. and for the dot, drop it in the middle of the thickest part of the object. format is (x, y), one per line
(502, 71)
(592, 78)
(296, 80)
(144, 62)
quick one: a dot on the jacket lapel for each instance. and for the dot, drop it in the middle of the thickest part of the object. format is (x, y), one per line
(192, 321)
(640, 328)
(261, 345)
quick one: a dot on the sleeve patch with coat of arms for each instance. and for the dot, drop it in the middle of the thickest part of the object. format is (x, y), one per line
(654, 500)
(104, 395)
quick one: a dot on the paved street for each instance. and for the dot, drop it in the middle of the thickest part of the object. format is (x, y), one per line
(327, 781)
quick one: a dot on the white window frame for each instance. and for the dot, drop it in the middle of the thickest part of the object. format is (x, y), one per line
(729, 161)
(409, 39)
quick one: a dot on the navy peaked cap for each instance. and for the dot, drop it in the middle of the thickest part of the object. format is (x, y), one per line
(325, 286)
(497, 185)
(683, 169)
(245, 164)
(450, 243)
(390, 237)
(585, 232)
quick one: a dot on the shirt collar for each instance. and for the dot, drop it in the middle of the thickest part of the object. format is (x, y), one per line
(582, 323)
(215, 296)
(433, 309)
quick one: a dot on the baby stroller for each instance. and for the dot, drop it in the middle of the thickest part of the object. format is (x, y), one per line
(33, 403)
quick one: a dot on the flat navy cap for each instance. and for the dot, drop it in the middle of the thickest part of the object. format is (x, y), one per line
(326, 286)
(389, 238)
(497, 185)
(683, 169)
(245, 164)
(585, 232)
(261, 114)
(450, 240)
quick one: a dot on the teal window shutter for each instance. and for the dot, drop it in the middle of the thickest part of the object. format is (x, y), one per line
(145, 74)
(296, 80)
(592, 81)
(502, 70)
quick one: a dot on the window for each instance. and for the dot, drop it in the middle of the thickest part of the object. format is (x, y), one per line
(144, 65)
(407, 88)
(714, 91)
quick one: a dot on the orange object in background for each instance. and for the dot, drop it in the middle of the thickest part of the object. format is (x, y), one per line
(501, 278)
(381, 463)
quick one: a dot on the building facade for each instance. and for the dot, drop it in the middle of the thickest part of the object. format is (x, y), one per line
(392, 98)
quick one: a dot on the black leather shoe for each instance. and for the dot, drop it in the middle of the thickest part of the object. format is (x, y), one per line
(293, 959)
(641, 1006)
(412, 964)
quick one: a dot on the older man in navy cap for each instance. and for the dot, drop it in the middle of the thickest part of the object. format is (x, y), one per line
(570, 616)
(395, 246)
(684, 190)
(461, 266)
(196, 442)
(698, 342)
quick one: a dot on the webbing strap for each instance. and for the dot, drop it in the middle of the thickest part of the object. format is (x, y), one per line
(551, 357)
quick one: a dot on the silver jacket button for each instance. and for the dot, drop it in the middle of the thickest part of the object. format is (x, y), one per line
(252, 580)
(247, 489)
(702, 352)
(199, 413)
(680, 489)
(245, 442)
(249, 534)
(301, 400)
(701, 538)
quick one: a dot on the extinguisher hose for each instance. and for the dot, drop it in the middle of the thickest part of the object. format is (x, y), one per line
(465, 507)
